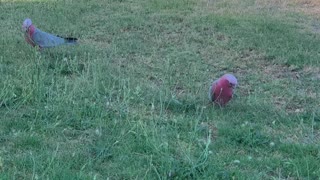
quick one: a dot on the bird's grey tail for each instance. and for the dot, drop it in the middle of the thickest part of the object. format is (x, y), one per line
(70, 40)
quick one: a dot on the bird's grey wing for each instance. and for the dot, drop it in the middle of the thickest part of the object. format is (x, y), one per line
(211, 89)
(44, 39)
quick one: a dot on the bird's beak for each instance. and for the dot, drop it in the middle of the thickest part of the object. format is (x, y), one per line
(232, 85)
(24, 29)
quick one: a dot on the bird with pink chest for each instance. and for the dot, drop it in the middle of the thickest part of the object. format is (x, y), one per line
(221, 91)
(37, 38)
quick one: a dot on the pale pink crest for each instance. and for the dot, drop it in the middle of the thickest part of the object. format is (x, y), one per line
(231, 78)
(26, 24)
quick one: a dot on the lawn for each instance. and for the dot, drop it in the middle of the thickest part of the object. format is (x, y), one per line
(130, 100)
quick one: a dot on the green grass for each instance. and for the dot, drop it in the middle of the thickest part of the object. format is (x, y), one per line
(130, 101)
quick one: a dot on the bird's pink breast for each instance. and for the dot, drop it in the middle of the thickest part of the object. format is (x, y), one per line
(29, 34)
(222, 94)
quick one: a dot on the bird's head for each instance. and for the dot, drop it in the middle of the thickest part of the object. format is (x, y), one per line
(230, 80)
(26, 24)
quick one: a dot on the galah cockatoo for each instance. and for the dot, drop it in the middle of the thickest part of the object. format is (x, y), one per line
(36, 37)
(221, 91)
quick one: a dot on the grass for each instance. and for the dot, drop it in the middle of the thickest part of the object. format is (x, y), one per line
(130, 101)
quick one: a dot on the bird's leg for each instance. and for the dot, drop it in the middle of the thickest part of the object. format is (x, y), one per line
(40, 49)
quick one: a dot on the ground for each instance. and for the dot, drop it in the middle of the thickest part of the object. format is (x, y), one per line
(130, 100)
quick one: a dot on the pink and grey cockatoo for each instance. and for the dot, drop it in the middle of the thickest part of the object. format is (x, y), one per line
(221, 91)
(36, 37)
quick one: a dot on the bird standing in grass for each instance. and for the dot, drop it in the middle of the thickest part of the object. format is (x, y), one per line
(221, 91)
(36, 37)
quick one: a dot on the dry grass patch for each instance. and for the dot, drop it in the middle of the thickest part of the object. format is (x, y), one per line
(314, 72)
(271, 77)
(311, 7)
(308, 6)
